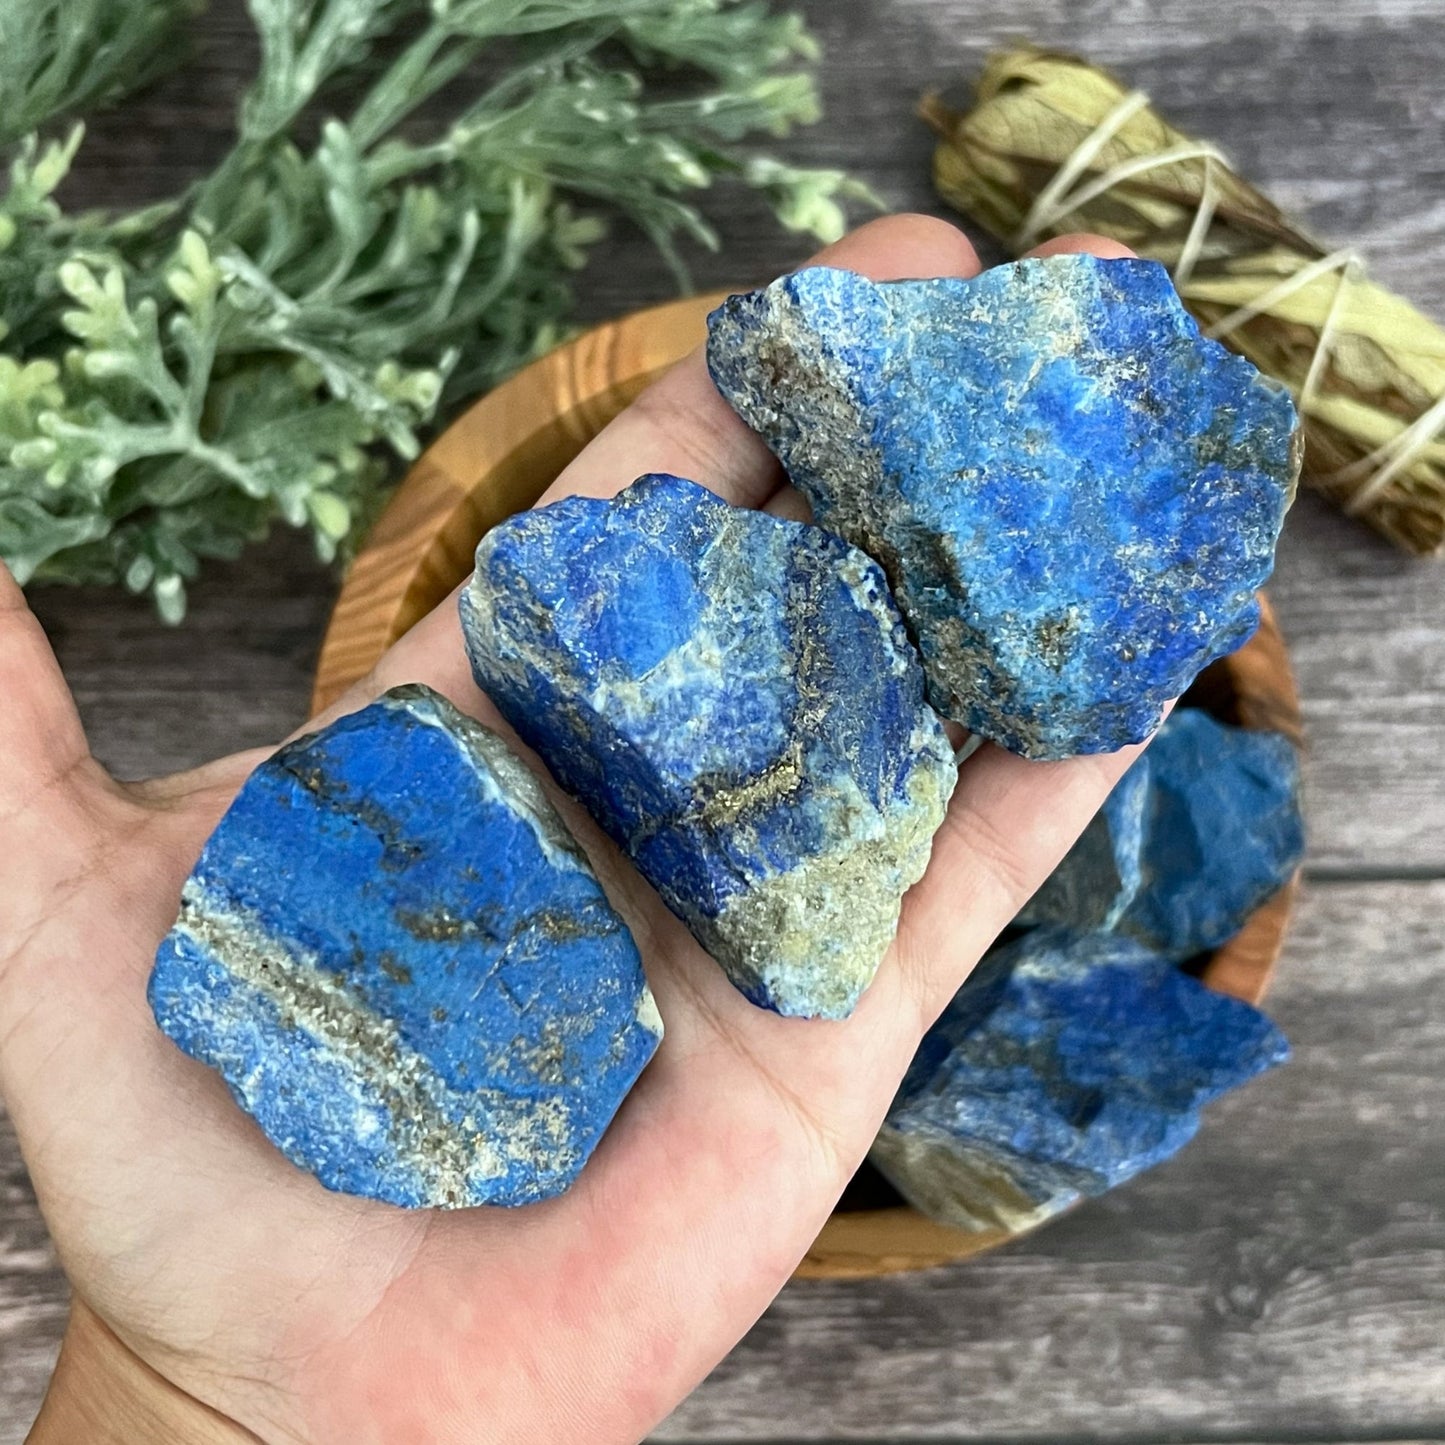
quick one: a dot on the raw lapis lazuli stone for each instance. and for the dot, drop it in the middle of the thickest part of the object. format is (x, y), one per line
(1100, 877)
(1067, 1064)
(734, 698)
(1207, 825)
(404, 968)
(1073, 493)
(1223, 831)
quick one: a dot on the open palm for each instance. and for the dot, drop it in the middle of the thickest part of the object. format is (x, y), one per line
(235, 1280)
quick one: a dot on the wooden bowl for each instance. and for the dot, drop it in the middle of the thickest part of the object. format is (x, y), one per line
(499, 456)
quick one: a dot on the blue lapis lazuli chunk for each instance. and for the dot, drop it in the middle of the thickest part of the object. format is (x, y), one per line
(1223, 832)
(404, 968)
(1067, 1064)
(734, 698)
(1074, 494)
(1205, 827)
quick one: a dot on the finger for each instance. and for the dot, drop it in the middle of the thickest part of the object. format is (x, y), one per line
(59, 810)
(790, 503)
(43, 750)
(679, 424)
(40, 733)
(1008, 825)
(1084, 243)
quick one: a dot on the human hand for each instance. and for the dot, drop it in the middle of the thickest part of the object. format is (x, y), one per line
(222, 1294)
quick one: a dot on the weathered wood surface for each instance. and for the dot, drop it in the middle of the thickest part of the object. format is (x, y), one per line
(1283, 1279)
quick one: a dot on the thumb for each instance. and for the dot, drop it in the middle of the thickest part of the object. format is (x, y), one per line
(42, 743)
(56, 802)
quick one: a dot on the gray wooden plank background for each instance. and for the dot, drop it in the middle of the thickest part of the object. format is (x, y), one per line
(1284, 1278)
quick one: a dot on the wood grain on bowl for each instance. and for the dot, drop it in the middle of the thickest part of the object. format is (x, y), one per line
(499, 456)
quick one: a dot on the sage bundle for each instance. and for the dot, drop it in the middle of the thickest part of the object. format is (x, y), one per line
(1054, 145)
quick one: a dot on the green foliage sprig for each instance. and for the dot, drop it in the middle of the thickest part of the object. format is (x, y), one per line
(269, 344)
(60, 57)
